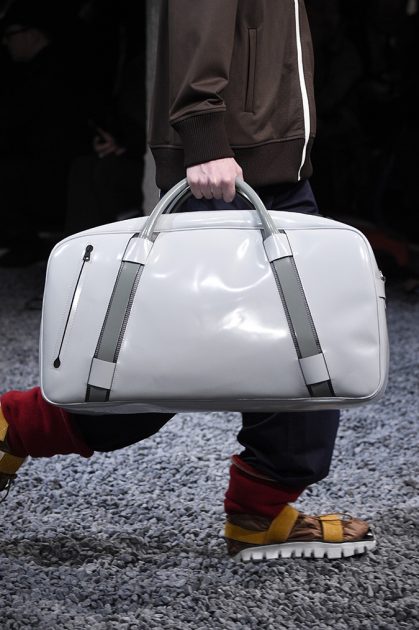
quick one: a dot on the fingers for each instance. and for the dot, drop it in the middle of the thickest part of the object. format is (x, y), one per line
(216, 189)
(199, 182)
(229, 190)
(229, 183)
(195, 187)
(215, 179)
(213, 189)
(205, 188)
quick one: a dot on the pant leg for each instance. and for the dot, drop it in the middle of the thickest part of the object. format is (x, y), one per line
(37, 428)
(110, 432)
(294, 448)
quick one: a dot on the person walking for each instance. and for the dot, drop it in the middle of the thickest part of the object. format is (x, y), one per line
(233, 98)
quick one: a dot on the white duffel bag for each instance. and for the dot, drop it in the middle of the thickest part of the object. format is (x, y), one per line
(244, 310)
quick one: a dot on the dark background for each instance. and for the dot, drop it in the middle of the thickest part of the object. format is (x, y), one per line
(366, 84)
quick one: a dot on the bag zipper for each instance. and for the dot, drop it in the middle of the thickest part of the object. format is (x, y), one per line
(85, 259)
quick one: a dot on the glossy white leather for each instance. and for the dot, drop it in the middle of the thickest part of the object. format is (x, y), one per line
(101, 374)
(207, 329)
(277, 246)
(314, 369)
(138, 251)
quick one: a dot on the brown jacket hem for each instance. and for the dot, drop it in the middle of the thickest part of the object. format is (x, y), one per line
(204, 138)
(263, 165)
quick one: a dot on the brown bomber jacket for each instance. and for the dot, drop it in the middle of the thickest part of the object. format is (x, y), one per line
(233, 78)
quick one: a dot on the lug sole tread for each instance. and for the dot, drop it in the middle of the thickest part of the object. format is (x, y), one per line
(318, 550)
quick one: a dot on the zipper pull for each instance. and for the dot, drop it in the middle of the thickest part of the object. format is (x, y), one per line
(87, 252)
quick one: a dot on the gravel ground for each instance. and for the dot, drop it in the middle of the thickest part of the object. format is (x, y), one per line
(131, 539)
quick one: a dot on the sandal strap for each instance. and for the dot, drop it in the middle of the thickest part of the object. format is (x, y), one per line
(279, 530)
(332, 528)
(4, 425)
(235, 532)
(10, 464)
(282, 525)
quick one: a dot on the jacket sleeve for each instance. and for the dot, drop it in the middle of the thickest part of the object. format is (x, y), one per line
(201, 39)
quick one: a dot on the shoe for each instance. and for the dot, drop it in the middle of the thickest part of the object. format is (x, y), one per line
(9, 463)
(293, 534)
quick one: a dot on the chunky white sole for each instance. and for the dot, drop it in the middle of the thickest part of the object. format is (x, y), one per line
(305, 550)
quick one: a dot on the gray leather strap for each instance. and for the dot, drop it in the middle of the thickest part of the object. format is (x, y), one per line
(107, 350)
(322, 390)
(303, 331)
(296, 306)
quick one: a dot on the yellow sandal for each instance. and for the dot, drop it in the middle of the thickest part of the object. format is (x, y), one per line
(293, 534)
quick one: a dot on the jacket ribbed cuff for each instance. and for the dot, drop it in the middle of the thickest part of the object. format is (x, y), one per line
(204, 138)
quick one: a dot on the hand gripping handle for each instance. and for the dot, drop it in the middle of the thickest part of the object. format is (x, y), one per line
(182, 191)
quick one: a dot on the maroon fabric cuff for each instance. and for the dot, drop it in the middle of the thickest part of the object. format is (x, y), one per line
(39, 429)
(204, 138)
(250, 492)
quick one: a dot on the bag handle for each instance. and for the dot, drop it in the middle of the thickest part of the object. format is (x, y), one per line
(182, 191)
